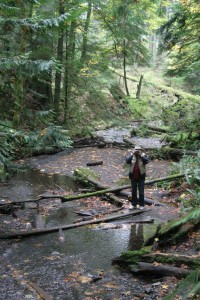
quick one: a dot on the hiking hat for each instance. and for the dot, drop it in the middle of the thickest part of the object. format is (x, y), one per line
(137, 148)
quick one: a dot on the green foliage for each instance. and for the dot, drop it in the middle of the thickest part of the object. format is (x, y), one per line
(181, 37)
(193, 216)
(190, 166)
(16, 144)
(138, 107)
(52, 136)
(188, 288)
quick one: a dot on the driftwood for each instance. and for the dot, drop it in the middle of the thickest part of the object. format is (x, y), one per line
(158, 270)
(69, 226)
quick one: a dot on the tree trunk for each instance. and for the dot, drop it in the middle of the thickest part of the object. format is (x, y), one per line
(58, 76)
(69, 68)
(124, 66)
(85, 32)
(139, 86)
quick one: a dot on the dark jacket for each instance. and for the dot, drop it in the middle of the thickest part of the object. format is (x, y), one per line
(142, 161)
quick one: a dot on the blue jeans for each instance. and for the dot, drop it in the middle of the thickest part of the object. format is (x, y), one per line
(137, 185)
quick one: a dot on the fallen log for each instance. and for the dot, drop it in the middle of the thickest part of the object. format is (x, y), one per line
(167, 89)
(96, 212)
(69, 226)
(146, 200)
(174, 230)
(158, 270)
(89, 215)
(99, 145)
(114, 199)
(174, 152)
(94, 163)
(158, 129)
(177, 259)
(108, 190)
(140, 221)
(102, 190)
(129, 141)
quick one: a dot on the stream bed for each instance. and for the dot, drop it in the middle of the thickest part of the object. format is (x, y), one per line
(78, 266)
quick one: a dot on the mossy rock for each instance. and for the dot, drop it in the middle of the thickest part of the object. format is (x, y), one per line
(84, 173)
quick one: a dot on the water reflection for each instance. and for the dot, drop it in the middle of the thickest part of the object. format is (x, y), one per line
(30, 184)
(136, 238)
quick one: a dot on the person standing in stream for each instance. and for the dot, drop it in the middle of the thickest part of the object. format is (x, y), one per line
(137, 161)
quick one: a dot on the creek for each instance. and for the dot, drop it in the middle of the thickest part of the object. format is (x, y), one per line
(63, 269)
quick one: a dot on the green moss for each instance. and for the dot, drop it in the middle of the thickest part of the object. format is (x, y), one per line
(84, 173)
(132, 257)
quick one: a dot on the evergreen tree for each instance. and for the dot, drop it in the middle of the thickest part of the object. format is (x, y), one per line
(181, 38)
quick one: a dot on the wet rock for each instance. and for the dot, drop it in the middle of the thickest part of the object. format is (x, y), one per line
(55, 253)
(39, 221)
(148, 290)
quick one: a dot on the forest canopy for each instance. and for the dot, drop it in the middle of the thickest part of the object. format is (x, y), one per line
(67, 62)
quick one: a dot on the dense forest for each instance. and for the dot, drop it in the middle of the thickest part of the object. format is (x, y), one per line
(67, 67)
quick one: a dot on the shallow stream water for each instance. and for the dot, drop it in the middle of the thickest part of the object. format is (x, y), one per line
(47, 261)
(65, 268)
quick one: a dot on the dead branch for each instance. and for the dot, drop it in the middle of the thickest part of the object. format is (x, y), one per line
(69, 226)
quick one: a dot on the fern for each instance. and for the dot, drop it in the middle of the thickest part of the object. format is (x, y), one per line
(25, 66)
(9, 9)
(192, 216)
(189, 288)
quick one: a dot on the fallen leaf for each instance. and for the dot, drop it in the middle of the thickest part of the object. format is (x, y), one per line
(111, 285)
(165, 286)
(84, 279)
(74, 274)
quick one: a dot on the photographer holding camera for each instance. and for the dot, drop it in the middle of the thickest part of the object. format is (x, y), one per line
(137, 173)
